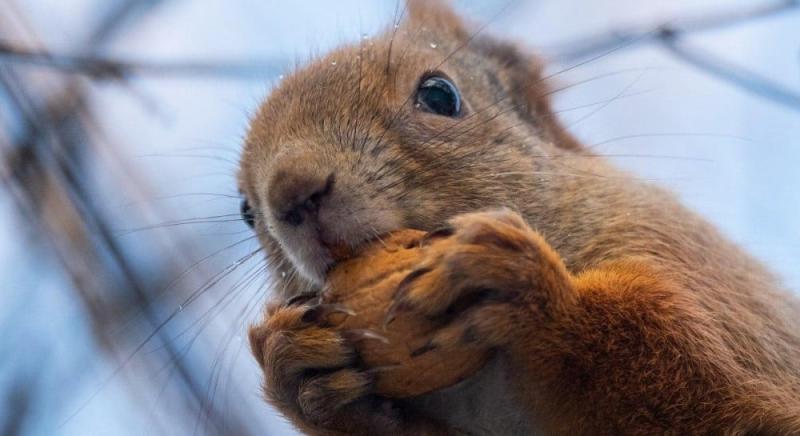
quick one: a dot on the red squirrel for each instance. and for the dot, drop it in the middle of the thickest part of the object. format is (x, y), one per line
(609, 308)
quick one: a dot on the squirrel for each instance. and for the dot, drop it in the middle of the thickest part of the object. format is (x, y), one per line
(609, 308)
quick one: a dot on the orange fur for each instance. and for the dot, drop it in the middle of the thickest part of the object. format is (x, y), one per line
(621, 313)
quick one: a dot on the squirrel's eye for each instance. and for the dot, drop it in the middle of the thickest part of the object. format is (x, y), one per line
(247, 213)
(439, 96)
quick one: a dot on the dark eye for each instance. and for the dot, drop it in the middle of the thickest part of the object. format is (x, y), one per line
(247, 213)
(439, 96)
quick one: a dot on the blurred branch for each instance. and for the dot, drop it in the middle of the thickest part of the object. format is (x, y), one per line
(102, 68)
(588, 46)
(747, 80)
(51, 183)
(45, 170)
(19, 399)
(669, 32)
(115, 19)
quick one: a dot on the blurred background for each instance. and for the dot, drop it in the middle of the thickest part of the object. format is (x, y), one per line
(127, 278)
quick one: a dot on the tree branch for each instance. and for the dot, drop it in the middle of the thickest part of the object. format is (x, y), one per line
(102, 68)
(735, 75)
(585, 47)
(668, 33)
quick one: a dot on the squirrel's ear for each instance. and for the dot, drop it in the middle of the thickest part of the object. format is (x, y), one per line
(527, 87)
(437, 16)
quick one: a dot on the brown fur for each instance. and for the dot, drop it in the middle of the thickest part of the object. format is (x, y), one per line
(613, 308)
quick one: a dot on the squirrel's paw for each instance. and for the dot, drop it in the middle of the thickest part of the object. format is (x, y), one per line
(309, 369)
(492, 275)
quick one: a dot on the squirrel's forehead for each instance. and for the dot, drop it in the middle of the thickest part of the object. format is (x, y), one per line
(340, 83)
(349, 86)
(386, 62)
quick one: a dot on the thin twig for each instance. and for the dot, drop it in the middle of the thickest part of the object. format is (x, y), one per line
(587, 46)
(668, 34)
(744, 79)
(105, 68)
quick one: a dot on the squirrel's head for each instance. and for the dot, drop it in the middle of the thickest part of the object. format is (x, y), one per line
(405, 130)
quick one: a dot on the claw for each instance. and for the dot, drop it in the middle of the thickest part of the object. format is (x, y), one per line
(338, 308)
(441, 232)
(402, 287)
(392, 311)
(399, 305)
(301, 299)
(383, 368)
(429, 346)
(323, 311)
(361, 334)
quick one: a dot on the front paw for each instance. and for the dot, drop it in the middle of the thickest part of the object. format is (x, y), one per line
(310, 370)
(486, 276)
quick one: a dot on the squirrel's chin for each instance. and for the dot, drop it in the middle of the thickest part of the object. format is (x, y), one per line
(309, 257)
(314, 269)
(319, 244)
(318, 259)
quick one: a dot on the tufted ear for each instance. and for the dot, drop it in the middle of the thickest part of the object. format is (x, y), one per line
(522, 70)
(437, 16)
(528, 89)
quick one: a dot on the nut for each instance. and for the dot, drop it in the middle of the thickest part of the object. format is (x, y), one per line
(406, 364)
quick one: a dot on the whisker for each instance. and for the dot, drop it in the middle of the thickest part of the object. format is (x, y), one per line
(190, 156)
(600, 102)
(378, 146)
(668, 135)
(226, 299)
(216, 368)
(380, 172)
(182, 275)
(227, 218)
(213, 196)
(147, 339)
(607, 103)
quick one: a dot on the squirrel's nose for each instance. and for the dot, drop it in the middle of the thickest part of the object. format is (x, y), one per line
(295, 196)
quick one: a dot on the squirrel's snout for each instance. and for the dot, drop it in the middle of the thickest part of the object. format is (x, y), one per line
(315, 209)
(295, 195)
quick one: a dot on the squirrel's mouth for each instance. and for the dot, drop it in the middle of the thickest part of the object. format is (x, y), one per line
(341, 251)
(314, 257)
(334, 233)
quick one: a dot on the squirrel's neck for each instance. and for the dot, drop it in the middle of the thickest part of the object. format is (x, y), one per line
(592, 212)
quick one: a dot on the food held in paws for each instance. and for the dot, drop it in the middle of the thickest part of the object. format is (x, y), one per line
(408, 365)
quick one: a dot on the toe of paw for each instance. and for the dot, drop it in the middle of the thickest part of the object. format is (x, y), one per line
(322, 396)
(483, 326)
(291, 353)
(257, 337)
